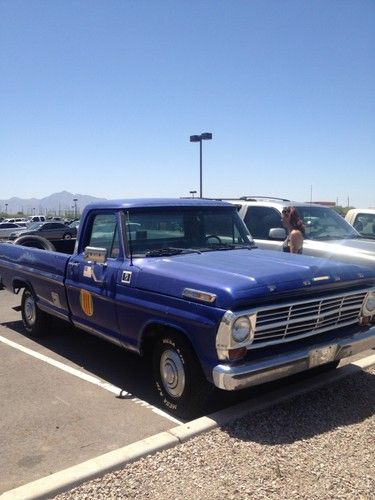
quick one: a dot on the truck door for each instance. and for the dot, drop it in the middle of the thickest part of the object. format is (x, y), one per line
(91, 288)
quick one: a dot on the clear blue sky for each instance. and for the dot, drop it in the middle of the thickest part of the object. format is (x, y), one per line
(100, 98)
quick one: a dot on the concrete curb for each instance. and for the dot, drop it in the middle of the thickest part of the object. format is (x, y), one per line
(67, 479)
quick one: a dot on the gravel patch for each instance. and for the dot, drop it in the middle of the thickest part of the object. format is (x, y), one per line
(319, 445)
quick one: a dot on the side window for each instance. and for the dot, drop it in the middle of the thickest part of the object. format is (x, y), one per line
(104, 234)
(259, 221)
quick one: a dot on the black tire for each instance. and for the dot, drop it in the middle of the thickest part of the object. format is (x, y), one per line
(34, 320)
(29, 240)
(67, 236)
(180, 382)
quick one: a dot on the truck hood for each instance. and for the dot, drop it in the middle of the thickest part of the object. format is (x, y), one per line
(357, 250)
(238, 277)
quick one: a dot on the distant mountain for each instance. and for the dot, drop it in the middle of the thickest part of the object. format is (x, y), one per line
(56, 204)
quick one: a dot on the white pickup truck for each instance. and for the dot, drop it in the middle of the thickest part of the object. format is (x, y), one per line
(363, 220)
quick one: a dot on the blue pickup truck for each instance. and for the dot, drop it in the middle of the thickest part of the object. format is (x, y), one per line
(181, 281)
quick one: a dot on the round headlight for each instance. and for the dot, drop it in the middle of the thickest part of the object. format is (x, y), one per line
(369, 304)
(241, 329)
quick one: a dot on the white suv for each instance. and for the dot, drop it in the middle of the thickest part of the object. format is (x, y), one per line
(363, 220)
(327, 233)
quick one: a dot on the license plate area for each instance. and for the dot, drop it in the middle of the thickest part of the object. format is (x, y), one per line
(322, 355)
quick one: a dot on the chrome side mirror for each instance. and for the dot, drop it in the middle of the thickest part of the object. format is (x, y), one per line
(96, 259)
(277, 233)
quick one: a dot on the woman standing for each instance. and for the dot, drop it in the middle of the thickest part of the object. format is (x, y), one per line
(296, 230)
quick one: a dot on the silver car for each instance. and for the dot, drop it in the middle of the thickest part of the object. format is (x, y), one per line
(327, 235)
(48, 230)
(6, 228)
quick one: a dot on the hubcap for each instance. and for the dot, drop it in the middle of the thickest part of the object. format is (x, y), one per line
(172, 373)
(30, 311)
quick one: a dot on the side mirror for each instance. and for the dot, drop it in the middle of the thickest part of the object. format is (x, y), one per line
(95, 255)
(277, 233)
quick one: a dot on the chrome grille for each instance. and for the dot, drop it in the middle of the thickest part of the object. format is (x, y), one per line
(300, 319)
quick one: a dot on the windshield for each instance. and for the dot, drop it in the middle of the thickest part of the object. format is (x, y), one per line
(325, 224)
(170, 231)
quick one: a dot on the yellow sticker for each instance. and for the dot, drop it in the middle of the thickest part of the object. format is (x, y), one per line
(85, 299)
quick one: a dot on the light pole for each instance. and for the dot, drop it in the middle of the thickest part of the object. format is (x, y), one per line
(192, 193)
(75, 207)
(206, 136)
(6, 208)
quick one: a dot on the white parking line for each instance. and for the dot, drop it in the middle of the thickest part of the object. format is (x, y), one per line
(120, 393)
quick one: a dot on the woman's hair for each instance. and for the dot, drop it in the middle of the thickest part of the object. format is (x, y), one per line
(294, 219)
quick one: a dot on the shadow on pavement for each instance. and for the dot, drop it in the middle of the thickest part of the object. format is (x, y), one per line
(132, 373)
(102, 359)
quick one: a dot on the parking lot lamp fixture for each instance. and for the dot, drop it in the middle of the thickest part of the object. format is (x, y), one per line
(192, 193)
(75, 207)
(205, 136)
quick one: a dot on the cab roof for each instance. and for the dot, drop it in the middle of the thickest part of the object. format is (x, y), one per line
(156, 202)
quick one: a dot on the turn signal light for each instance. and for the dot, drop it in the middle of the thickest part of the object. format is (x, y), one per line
(238, 353)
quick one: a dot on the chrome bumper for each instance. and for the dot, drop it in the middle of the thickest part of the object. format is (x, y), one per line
(239, 376)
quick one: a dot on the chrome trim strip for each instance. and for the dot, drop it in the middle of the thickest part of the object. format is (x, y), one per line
(239, 376)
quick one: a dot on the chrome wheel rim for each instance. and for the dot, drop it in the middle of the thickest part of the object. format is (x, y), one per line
(172, 373)
(30, 311)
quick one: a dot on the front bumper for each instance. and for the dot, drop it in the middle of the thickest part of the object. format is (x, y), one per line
(250, 373)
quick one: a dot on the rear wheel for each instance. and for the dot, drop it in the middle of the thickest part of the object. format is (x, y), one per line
(34, 320)
(181, 384)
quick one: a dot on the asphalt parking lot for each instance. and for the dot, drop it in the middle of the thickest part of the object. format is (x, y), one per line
(62, 400)
(69, 397)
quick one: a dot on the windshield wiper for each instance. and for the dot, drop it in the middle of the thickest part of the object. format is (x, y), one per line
(163, 252)
(225, 246)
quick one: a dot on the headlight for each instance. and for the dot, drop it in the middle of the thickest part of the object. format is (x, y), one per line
(241, 329)
(368, 308)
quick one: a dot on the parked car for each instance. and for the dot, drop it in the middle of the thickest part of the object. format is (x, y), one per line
(48, 230)
(363, 220)
(21, 221)
(6, 228)
(327, 233)
(36, 218)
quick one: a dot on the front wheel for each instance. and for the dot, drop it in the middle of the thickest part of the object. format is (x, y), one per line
(34, 320)
(182, 387)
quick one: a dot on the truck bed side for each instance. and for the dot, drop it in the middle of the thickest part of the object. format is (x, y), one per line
(42, 271)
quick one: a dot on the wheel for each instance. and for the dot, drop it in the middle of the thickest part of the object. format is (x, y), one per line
(29, 240)
(214, 237)
(34, 320)
(67, 236)
(181, 385)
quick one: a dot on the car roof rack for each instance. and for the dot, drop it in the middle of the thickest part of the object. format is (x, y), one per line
(257, 198)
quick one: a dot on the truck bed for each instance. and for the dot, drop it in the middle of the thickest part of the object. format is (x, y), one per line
(43, 270)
